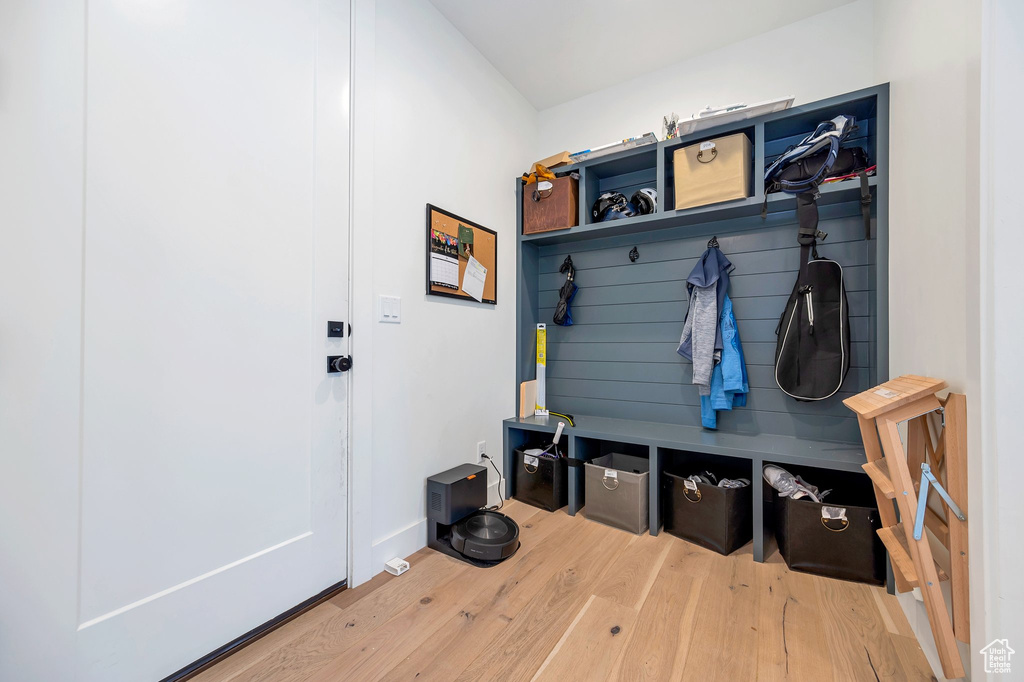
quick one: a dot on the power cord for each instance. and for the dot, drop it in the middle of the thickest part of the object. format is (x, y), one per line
(500, 498)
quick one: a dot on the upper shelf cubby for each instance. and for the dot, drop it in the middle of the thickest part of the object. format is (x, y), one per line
(625, 174)
(783, 133)
(668, 149)
(770, 135)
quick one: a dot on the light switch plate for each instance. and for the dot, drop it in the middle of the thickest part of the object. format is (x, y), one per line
(390, 308)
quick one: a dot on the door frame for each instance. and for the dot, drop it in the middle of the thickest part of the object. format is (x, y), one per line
(361, 295)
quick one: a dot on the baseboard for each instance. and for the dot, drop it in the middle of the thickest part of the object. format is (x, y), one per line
(218, 655)
(402, 543)
(405, 542)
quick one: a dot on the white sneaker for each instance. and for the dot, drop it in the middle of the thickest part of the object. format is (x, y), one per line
(787, 484)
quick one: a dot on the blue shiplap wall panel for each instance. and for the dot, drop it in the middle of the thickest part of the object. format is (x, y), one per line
(620, 360)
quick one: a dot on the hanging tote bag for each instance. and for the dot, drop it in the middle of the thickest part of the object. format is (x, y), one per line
(812, 353)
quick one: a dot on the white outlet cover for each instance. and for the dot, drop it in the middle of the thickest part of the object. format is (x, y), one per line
(390, 308)
(481, 448)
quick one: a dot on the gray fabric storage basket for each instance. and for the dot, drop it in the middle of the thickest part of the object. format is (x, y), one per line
(620, 501)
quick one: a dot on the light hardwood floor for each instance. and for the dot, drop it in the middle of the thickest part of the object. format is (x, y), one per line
(581, 601)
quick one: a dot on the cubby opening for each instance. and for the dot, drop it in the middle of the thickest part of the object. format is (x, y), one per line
(626, 174)
(781, 134)
(684, 463)
(519, 439)
(845, 488)
(668, 201)
(588, 449)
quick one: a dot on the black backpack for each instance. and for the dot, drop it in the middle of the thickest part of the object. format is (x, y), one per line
(812, 353)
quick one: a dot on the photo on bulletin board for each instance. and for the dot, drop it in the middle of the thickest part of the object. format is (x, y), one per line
(462, 258)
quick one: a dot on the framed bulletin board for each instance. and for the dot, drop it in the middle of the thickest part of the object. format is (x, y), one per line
(462, 258)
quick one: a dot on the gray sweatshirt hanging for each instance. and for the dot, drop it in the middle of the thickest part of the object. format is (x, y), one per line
(702, 336)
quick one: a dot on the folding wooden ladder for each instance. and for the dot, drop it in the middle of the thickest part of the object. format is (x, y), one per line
(936, 436)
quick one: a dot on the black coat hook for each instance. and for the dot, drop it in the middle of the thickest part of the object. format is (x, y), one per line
(633, 255)
(713, 243)
(568, 269)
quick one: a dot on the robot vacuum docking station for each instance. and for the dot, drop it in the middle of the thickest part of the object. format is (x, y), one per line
(458, 522)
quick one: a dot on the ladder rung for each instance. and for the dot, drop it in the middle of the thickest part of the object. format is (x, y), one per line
(895, 540)
(878, 472)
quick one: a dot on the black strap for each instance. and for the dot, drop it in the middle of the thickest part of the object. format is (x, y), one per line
(807, 233)
(807, 215)
(865, 203)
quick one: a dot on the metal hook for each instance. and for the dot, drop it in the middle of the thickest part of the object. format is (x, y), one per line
(713, 243)
(568, 269)
(633, 255)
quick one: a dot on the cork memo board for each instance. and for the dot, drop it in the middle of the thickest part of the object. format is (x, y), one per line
(454, 246)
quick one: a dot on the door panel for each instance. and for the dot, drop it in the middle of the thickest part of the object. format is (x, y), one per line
(213, 492)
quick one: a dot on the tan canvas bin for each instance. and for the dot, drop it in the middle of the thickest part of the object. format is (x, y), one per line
(712, 171)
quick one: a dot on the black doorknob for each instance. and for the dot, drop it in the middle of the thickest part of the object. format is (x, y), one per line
(338, 363)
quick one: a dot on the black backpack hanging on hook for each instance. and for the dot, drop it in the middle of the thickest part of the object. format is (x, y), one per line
(812, 353)
(563, 315)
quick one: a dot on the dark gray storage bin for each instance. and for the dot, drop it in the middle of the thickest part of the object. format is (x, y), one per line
(815, 542)
(542, 481)
(717, 518)
(618, 491)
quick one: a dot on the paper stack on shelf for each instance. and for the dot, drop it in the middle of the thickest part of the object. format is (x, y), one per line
(709, 117)
(604, 150)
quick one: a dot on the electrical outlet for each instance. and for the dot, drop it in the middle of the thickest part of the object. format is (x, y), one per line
(481, 450)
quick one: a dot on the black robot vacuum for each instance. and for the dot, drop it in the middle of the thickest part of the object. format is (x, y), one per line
(458, 522)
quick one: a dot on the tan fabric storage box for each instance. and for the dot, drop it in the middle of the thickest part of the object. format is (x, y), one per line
(712, 171)
(556, 209)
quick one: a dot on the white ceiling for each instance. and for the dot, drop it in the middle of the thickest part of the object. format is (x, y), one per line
(553, 51)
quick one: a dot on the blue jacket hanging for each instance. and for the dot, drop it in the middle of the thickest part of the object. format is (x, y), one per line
(729, 384)
(701, 341)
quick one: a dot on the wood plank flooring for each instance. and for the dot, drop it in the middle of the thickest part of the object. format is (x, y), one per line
(581, 601)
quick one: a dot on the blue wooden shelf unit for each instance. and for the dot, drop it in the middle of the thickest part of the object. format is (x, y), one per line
(616, 369)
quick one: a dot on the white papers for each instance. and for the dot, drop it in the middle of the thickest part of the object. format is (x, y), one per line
(474, 278)
(444, 270)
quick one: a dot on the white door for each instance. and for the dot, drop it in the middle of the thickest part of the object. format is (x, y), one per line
(214, 251)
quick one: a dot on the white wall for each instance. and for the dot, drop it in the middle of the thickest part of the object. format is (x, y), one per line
(1001, 314)
(774, 64)
(929, 53)
(451, 131)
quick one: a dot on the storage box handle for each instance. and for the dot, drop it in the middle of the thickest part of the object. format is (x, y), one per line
(686, 494)
(605, 480)
(844, 524)
(542, 192)
(712, 150)
(528, 461)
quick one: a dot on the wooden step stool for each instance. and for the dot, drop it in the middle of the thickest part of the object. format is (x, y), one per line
(897, 476)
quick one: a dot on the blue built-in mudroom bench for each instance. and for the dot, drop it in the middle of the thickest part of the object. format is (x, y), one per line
(616, 368)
